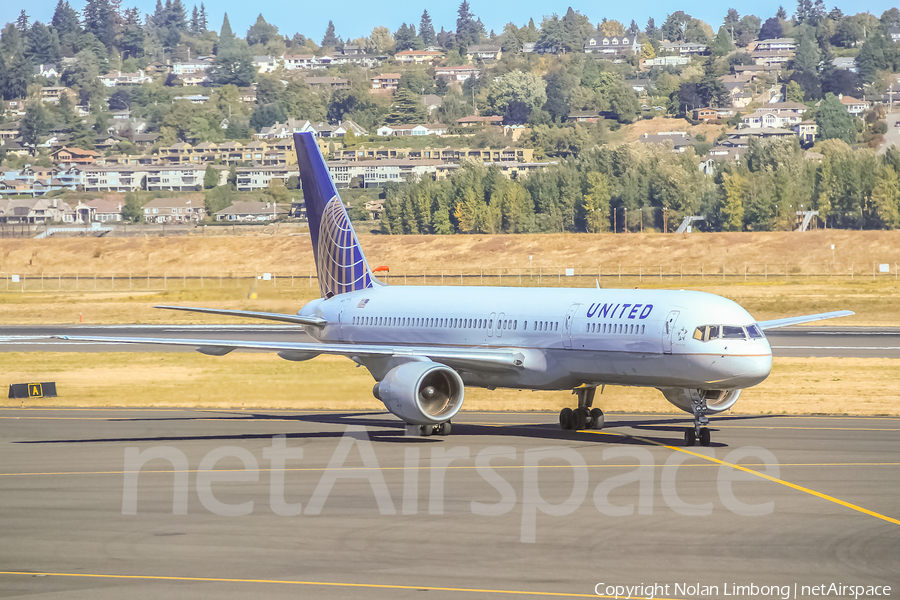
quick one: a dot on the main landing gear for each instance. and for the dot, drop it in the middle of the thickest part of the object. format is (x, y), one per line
(699, 431)
(413, 430)
(583, 417)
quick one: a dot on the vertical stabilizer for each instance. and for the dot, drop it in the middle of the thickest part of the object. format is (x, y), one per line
(340, 262)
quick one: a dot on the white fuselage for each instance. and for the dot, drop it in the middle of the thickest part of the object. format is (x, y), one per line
(567, 337)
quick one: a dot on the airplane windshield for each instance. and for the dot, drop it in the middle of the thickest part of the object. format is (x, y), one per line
(705, 333)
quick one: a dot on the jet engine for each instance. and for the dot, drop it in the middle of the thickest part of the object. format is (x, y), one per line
(716, 400)
(421, 393)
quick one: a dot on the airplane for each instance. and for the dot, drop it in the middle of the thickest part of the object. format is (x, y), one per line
(424, 345)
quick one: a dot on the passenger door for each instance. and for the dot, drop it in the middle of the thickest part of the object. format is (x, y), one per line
(669, 331)
(569, 325)
(498, 325)
(492, 320)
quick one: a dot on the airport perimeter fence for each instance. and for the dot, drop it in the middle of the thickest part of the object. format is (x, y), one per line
(604, 275)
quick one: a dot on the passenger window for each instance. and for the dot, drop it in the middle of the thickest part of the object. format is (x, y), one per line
(515, 324)
(642, 329)
(729, 332)
(490, 324)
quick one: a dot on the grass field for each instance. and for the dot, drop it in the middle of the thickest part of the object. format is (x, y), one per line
(118, 280)
(253, 381)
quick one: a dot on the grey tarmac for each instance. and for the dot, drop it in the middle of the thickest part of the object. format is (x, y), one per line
(834, 485)
(840, 342)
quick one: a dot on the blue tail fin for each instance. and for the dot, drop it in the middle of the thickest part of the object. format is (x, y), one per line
(340, 261)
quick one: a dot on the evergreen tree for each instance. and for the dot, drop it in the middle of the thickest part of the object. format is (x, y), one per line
(781, 14)
(66, 109)
(771, 29)
(194, 26)
(22, 22)
(65, 19)
(19, 76)
(99, 19)
(330, 40)
(226, 37)
(406, 108)
(233, 65)
(43, 45)
(80, 135)
(176, 17)
(210, 177)
(833, 120)
(426, 30)
(34, 125)
(4, 81)
(467, 32)
(650, 30)
(804, 11)
(722, 44)
(203, 21)
(261, 32)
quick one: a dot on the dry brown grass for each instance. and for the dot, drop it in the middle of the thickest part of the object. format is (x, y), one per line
(875, 302)
(634, 131)
(214, 255)
(797, 385)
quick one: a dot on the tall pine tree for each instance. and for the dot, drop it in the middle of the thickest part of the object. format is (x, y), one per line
(426, 29)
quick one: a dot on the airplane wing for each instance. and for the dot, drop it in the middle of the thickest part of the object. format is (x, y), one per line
(462, 358)
(775, 323)
(250, 314)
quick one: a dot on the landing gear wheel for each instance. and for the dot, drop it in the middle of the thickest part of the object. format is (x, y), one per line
(565, 418)
(597, 419)
(444, 428)
(704, 436)
(580, 418)
(690, 436)
(426, 430)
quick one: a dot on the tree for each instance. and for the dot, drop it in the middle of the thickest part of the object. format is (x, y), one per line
(120, 100)
(330, 40)
(22, 22)
(650, 29)
(735, 187)
(34, 126)
(467, 29)
(227, 38)
(794, 93)
(406, 39)
(80, 135)
(806, 63)
(722, 44)
(233, 66)
(834, 122)
(771, 29)
(43, 44)
(612, 28)
(210, 177)
(100, 19)
(781, 14)
(517, 86)
(407, 107)
(871, 58)
(675, 25)
(203, 21)
(83, 73)
(804, 11)
(596, 202)
(18, 76)
(426, 29)
(261, 32)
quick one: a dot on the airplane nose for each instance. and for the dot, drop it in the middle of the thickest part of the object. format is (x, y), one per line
(751, 370)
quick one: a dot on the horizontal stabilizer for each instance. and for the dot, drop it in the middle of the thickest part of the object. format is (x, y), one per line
(249, 314)
(776, 323)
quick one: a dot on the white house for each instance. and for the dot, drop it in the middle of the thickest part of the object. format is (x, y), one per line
(412, 130)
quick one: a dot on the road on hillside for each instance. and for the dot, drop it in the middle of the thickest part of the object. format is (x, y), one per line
(892, 137)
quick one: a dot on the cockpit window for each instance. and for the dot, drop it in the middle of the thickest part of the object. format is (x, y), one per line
(713, 333)
(754, 332)
(730, 332)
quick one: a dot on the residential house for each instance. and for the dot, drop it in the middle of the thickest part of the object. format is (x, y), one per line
(52, 94)
(174, 210)
(772, 58)
(432, 102)
(666, 61)
(418, 57)
(305, 61)
(265, 64)
(259, 177)
(194, 98)
(48, 71)
(446, 155)
(583, 116)
(461, 73)
(113, 178)
(894, 32)
(483, 52)
(846, 63)
(480, 121)
(175, 178)
(119, 79)
(345, 126)
(854, 106)
(528, 47)
(98, 210)
(377, 173)
(788, 44)
(75, 156)
(680, 140)
(385, 81)
(251, 211)
(328, 83)
(285, 130)
(10, 131)
(705, 114)
(34, 210)
(684, 48)
(771, 118)
(806, 131)
(412, 130)
(612, 45)
(190, 66)
(198, 77)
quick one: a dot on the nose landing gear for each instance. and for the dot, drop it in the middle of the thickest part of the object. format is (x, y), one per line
(583, 417)
(699, 431)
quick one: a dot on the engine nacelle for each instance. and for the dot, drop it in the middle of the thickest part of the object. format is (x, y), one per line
(422, 393)
(716, 400)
